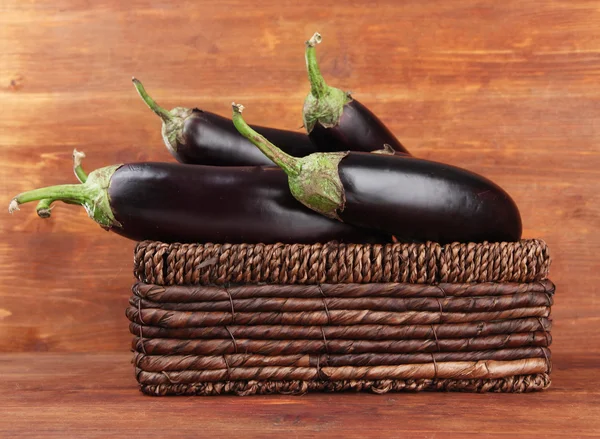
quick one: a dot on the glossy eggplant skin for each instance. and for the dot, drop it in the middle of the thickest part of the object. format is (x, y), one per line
(190, 203)
(210, 139)
(358, 129)
(421, 200)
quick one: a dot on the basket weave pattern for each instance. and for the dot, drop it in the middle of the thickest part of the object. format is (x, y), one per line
(254, 319)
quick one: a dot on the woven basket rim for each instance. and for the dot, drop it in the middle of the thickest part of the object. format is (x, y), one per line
(305, 264)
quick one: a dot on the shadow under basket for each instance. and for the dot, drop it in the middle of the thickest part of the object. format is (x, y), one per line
(211, 319)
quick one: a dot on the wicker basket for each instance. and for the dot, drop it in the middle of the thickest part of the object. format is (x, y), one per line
(246, 319)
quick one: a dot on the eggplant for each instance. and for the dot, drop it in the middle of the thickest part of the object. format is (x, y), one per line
(172, 202)
(198, 137)
(410, 198)
(335, 121)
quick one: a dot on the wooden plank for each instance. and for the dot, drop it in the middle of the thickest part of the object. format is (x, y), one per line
(518, 104)
(507, 89)
(95, 395)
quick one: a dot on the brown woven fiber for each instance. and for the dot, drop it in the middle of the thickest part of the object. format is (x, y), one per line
(166, 346)
(350, 332)
(185, 294)
(512, 384)
(260, 319)
(274, 304)
(450, 370)
(311, 264)
(159, 363)
(181, 319)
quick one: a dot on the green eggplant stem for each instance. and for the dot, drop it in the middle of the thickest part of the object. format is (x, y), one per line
(165, 115)
(92, 195)
(44, 208)
(324, 104)
(318, 87)
(71, 193)
(173, 121)
(291, 165)
(314, 180)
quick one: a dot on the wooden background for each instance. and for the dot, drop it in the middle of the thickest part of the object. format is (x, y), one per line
(507, 89)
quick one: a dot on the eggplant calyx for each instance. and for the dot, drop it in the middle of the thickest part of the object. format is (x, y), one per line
(326, 110)
(173, 121)
(318, 186)
(314, 180)
(324, 104)
(92, 195)
(172, 130)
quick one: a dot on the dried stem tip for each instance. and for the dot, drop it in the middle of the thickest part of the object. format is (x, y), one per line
(314, 40)
(13, 206)
(78, 156)
(237, 108)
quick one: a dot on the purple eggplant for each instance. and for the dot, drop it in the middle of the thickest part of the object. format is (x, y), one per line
(335, 121)
(410, 198)
(198, 137)
(189, 203)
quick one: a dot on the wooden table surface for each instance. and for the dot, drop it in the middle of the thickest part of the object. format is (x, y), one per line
(95, 396)
(507, 89)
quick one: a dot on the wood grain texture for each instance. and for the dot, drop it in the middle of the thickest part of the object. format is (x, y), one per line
(95, 396)
(508, 89)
